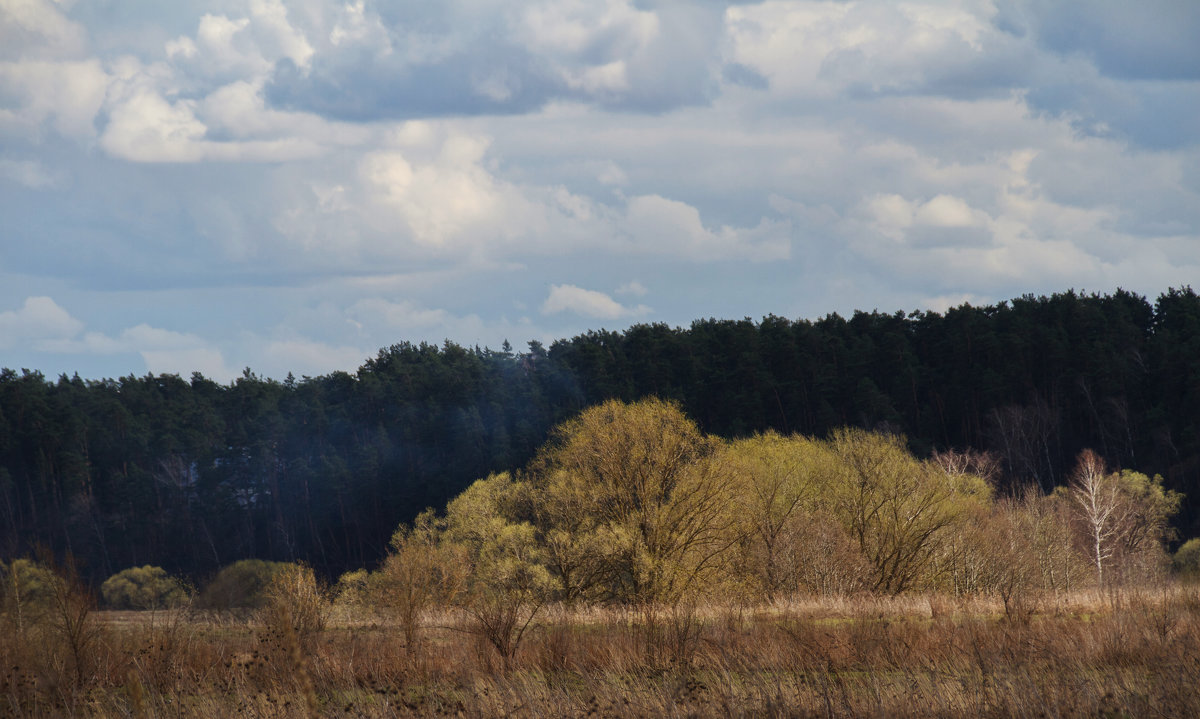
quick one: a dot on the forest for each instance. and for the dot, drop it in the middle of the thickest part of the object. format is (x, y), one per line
(192, 475)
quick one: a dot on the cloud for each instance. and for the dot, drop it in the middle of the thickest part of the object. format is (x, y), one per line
(39, 320)
(66, 94)
(307, 357)
(1154, 39)
(29, 173)
(590, 303)
(404, 315)
(208, 361)
(345, 174)
(462, 58)
(632, 287)
(144, 126)
(658, 224)
(442, 199)
(44, 326)
(38, 29)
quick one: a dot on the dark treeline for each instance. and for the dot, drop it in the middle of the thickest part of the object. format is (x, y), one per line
(192, 475)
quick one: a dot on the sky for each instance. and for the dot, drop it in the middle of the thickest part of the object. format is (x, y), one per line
(290, 185)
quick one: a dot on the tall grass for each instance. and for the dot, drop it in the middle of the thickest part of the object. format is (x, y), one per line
(1121, 653)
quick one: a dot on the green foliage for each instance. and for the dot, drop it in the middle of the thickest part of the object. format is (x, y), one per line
(631, 504)
(143, 588)
(179, 472)
(506, 581)
(780, 478)
(28, 590)
(241, 585)
(900, 510)
(1186, 562)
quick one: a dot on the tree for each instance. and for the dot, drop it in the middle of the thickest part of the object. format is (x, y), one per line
(143, 588)
(778, 478)
(420, 573)
(1122, 515)
(899, 509)
(506, 582)
(640, 495)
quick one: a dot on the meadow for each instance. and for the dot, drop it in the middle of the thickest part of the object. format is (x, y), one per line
(1120, 653)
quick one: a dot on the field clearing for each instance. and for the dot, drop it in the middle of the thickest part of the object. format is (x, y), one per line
(1128, 653)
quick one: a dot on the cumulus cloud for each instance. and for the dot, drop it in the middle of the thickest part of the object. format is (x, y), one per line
(66, 94)
(38, 29)
(469, 59)
(444, 198)
(303, 356)
(362, 173)
(44, 326)
(589, 303)
(163, 351)
(660, 224)
(39, 320)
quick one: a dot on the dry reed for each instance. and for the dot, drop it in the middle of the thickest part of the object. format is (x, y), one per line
(1127, 653)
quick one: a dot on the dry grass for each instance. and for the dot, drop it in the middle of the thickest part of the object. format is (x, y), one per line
(1129, 653)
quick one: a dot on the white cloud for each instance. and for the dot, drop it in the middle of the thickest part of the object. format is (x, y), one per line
(68, 94)
(657, 224)
(242, 47)
(41, 324)
(946, 211)
(307, 357)
(589, 43)
(144, 126)
(590, 303)
(38, 29)
(207, 361)
(404, 315)
(38, 321)
(449, 200)
(633, 287)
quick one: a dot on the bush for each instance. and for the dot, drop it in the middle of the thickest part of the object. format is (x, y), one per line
(143, 588)
(27, 591)
(1186, 561)
(296, 607)
(353, 588)
(241, 585)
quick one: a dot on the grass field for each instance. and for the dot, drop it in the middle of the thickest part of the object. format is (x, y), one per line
(1121, 654)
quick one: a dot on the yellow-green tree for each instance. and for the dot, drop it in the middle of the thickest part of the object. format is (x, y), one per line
(506, 582)
(421, 572)
(145, 587)
(779, 480)
(900, 510)
(632, 503)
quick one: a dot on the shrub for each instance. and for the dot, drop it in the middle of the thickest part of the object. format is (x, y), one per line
(241, 585)
(145, 587)
(352, 588)
(421, 573)
(296, 607)
(27, 590)
(1186, 561)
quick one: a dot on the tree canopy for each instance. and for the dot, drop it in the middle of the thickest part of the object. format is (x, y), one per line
(190, 474)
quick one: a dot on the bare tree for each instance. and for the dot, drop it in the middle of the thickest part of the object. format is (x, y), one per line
(1100, 508)
(1125, 515)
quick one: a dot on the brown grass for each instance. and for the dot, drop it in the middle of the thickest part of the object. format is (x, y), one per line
(1129, 653)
